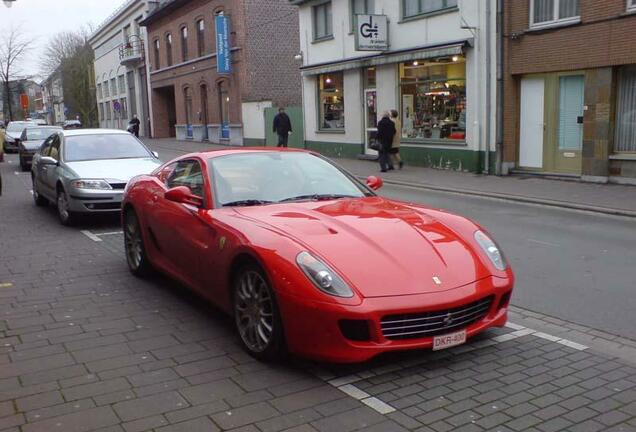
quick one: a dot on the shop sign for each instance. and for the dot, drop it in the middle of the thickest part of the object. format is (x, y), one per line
(372, 33)
(24, 101)
(223, 49)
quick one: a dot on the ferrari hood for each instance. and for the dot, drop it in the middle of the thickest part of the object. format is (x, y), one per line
(379, 246)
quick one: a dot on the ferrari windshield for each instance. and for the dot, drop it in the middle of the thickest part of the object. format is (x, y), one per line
(273, 177)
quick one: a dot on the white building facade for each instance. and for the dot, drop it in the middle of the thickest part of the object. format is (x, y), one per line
(120, 68)
(439, 72)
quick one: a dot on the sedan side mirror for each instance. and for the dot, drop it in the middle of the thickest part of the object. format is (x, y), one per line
(183, 195)
(155, 154)
(48, 160)
(374, 182)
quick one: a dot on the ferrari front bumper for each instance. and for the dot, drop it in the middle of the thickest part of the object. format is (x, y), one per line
(314, 329)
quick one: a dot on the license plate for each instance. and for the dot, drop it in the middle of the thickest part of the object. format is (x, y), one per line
(449, 340)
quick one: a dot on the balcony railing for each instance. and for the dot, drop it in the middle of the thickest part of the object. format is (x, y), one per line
(131, 52)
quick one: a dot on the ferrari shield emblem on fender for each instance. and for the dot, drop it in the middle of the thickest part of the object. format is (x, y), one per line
(221, 243)
(437, 280)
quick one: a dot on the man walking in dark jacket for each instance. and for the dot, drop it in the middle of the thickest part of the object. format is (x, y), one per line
(282, 127)
(386, 131)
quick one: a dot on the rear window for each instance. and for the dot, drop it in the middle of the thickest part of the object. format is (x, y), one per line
(100, 147)
(40, 133)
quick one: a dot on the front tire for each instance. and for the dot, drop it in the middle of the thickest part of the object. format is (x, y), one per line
(39, 200)
(256, 315)
(66, 216)
(134, 244)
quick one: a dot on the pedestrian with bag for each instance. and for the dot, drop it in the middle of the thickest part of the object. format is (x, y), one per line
(282, 126)
(133, 125)
(386, 132)
(395, 146)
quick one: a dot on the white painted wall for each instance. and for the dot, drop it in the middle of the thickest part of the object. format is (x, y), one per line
(253, 115)
(436, 29)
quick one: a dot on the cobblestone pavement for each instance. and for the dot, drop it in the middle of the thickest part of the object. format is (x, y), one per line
(85, 346)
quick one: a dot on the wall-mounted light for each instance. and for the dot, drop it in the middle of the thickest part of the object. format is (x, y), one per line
(455, 58)
(227, 99)
(415, 63)
(298, 56)
(328, 80)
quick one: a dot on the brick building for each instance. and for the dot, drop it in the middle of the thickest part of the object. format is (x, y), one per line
(190, 99)
(569, 89)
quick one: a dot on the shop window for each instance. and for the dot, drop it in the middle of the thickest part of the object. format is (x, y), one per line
(200, 37)
(184, 43)
(412, 8)
(187, 96)
(369, 77)
(433, 99)
(322, 21)
(169, 49)
(156, 55)
(361, 7)
(553, 12)
(625, 128)
(331, 100)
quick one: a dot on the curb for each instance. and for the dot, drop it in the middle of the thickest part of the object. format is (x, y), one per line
(514, 198)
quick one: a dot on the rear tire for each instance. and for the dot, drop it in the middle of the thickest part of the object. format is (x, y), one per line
(136, 257)
(67, 217)
(39, 200)
(256, 315)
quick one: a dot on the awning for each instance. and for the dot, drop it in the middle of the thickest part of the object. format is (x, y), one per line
(388, 57)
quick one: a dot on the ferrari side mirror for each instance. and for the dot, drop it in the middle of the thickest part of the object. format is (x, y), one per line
(183, 195)
(374, 182)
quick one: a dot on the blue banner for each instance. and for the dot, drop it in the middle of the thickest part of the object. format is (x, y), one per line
(223, 54)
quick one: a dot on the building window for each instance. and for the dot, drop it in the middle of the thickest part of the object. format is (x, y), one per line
(361, 7)
(106, 90)
(200, 37)
(184, 44)
(551, 12)
(331, 100)
(122, 84)
(631, 5)
(113, 86)
(625, 128)
(156, 55)
(100, 94)
(169, 49)
(108, 108)
(100, 109)
(433, 99)
(412, 8)
(322, 21)
(123, 108)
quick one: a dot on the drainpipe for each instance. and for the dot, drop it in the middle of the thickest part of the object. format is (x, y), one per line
(500, 85)
(488, 87)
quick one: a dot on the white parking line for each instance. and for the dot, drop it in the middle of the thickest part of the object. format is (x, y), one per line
(109, 233)
(91, 236)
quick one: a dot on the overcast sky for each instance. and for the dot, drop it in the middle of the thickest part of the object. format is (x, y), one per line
(42, 19)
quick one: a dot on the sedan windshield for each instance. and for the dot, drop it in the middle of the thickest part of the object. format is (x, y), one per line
(272, 177)
(107, 146)
(35, 134)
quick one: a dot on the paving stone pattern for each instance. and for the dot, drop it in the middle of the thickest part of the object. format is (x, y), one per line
(85, 346)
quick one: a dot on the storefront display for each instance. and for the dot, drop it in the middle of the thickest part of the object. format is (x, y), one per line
(433, 96)
(331, 101)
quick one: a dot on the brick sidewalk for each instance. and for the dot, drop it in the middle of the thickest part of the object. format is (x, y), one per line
(613, 198)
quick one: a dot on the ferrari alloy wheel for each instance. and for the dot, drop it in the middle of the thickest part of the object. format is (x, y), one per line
(134, 244)
(39, 200)
(64, 213)
(256, 315)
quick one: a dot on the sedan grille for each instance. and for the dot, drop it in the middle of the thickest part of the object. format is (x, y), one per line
(428, 324)
(117, 186)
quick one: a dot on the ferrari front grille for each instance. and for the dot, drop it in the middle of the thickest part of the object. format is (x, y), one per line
(429, 324)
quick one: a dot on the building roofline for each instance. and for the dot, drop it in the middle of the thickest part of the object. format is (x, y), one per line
(117, 13)
(164, 10)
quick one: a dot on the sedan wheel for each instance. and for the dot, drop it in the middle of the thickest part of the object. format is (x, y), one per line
(134, 244)
(256, 315)
(66, 216)
(39, 200)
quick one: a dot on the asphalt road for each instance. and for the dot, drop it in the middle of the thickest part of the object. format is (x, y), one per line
(577, 266)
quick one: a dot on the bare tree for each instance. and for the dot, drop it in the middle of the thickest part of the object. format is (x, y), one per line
(63, 46)
(13, 49)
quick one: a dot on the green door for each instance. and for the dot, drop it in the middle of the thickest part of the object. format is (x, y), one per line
(296, 116)
(567, 157)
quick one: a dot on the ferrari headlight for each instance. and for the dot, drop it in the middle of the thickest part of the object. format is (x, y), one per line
(322, 276)
(90, 184)
(492, 250)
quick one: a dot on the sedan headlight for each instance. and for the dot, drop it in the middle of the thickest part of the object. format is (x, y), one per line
(90, 184)
(9, 139)
(492, 250)
(322, 276)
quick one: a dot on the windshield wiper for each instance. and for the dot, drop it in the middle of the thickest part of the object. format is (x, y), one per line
(247, 202)
(317, 197)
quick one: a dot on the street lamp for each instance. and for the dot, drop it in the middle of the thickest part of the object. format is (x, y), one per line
(8, 3)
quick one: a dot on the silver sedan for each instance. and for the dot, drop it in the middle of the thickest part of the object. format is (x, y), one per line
(86, 170)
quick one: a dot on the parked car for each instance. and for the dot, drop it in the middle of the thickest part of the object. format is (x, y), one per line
(12, 135)
(41, 122)
(308, 259)
(72, 124)
(86, 170)
(31, 140)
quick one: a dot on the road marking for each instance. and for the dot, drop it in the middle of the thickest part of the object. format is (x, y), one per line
(378, 405)
(544, 243)
(91, 236)
(109, 233)
(6, 285)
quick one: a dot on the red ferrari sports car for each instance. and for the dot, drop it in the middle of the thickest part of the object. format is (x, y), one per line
(308, 260)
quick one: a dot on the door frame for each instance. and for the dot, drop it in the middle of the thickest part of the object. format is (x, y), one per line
(366, 129)
(543, 134)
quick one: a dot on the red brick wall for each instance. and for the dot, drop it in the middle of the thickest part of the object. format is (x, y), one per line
(605, 37)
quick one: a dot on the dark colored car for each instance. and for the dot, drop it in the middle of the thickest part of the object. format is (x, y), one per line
(12, 135)
(30, 142)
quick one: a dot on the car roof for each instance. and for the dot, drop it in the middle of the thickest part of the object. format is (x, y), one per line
(37, 126)
(96, 131)
(212, 154)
